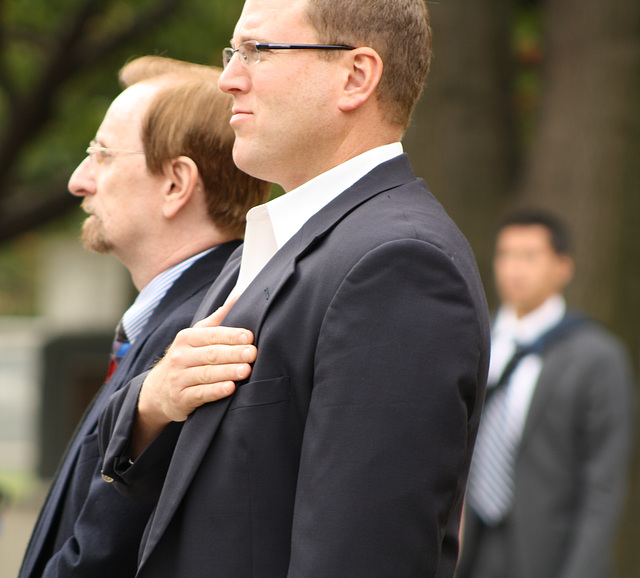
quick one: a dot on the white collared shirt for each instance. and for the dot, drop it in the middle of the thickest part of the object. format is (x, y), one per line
(508, 331)
(271, 225)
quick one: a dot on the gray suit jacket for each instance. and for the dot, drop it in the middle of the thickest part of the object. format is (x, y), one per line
(572, 465)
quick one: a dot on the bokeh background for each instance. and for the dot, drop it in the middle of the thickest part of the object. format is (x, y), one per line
(529, 103)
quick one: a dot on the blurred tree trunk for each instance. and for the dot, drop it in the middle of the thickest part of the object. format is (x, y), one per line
(582, 161)
(462, 141)
(71, 50)
(586, 143)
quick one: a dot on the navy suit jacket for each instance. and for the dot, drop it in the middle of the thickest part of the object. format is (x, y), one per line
(346, 451)
(86, 528)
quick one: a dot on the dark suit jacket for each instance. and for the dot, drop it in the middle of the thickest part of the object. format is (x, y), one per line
(346, 452)
(85, 527)
(572, 465)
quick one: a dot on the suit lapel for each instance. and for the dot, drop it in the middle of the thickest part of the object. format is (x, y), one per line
(201, 273)
(190, 282)
(249, 312)
(552, 368)
(539, 401)
(219, 291)
(202, 424)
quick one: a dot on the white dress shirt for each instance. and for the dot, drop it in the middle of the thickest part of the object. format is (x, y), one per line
(271, 225)
(508, 331)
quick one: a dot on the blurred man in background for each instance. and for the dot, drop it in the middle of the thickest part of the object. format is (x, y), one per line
(164, 197)
(549, 472)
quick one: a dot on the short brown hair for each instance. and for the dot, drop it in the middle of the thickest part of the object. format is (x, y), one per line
(398, 30)
(190, 116)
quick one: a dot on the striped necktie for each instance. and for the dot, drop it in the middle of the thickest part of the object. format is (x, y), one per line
(491, 477)
(491, 485)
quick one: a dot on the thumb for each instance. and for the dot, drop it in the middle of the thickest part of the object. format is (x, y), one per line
(218, 315)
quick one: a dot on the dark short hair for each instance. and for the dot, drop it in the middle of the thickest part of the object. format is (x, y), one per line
(558, 230)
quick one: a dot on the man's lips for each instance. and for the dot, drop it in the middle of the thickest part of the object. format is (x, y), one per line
(237, 114)
(86, 209)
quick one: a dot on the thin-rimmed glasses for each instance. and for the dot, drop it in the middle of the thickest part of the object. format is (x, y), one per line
(249, 51)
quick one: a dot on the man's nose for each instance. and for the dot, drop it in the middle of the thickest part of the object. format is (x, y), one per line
(82, 182)
(233, 77)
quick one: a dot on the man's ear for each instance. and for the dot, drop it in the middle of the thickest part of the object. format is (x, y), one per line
(363, 73)
(567, 268)
(182, 175)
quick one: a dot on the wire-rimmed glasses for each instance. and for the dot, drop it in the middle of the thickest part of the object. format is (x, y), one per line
(100, 153)
(249, 51)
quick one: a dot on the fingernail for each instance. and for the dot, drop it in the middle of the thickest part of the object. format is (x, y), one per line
(244, 371)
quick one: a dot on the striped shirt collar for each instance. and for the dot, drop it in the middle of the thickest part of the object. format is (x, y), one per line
(136, 317)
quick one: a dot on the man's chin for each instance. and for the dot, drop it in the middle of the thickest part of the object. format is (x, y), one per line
(250, 163)
(93, 239)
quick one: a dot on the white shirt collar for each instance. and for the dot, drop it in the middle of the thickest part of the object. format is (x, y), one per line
(508, 330)
(271, 225)
(292, 210)
(528, 328)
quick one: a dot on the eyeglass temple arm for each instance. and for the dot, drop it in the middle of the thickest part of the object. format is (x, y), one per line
(271, 46)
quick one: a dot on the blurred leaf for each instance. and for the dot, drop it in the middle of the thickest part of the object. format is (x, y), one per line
(58, 74)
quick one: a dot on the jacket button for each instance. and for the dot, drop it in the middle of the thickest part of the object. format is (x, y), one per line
(106, 478)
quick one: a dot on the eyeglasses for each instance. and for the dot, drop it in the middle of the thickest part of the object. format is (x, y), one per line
(100, 153)
(250, 50)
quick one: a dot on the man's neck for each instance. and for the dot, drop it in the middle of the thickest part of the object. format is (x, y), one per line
(536, 321)
(144, 271)
(351, 145)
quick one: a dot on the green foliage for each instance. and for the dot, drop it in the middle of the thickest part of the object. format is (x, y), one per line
(197, 31)
(31, 31)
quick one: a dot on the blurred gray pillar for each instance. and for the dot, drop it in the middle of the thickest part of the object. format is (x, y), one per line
(82, 298)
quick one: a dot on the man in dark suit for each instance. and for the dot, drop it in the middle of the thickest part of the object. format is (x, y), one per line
(165, 198)
(357, 354)
(551, 506)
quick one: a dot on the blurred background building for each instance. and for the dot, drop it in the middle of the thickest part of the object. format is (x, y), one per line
(51, 365)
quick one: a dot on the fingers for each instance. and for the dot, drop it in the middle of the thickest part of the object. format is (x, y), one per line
(199, 367)
(209, 330)
(191, 368)
(192, 398)
(173, 389)
(185, 357)
(198, 336)
(218, 315)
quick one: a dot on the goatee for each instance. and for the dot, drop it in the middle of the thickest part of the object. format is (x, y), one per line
(93, 237)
